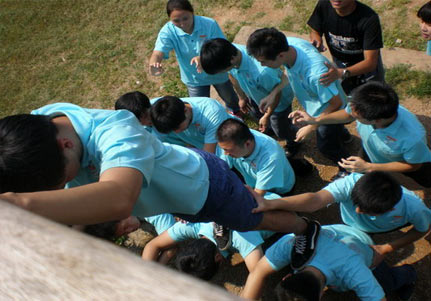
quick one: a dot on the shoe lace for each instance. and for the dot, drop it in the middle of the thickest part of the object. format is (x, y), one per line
(218, 230)
(300, 244)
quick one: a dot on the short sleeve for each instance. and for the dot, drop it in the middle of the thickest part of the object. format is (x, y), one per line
(363, 282)
(372, 34)
(417, 153)
(278, 255)
(183, 231)
(341, 189)
(246, 242)
(164, 42)
(316, 21)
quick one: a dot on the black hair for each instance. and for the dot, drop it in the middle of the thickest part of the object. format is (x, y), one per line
(375, 100)
(135, 102)
(234, 130)
(178, 5)
(376, 192)
(102, 230)
(300, 286)
(197, 258)
(216, 55)
(30, 156)
(267, 43)
(167, 114)
(425, 12)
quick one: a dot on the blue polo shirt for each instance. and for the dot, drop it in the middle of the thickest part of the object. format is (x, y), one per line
(161, 222)
(342, 254)
(116, 139)
(304, 78)
(403, 140)
(267, 167)
(208, 114)
(429, 47)
(257, 81)
(187, 46)
(410, 209)
(243, 242)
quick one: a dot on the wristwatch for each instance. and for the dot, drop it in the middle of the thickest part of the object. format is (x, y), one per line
(346, 74)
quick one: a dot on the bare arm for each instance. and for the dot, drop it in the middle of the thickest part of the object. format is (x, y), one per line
(409, 237)
(369, 64)
(316, 40)
(256, 280)
(271, 99)
(243, 98)
(112, 198)
(252, 259)
(156, 246)
(357, 164)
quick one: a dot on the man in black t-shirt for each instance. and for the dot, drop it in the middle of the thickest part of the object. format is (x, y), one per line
(354, 38)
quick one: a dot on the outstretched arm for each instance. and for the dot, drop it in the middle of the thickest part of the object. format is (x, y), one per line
(357, 164)
(112, 198)
(157, 245)
(256, 280)
(155, 65)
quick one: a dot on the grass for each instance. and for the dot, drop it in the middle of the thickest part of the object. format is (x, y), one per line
(408, 82)
(91, 52)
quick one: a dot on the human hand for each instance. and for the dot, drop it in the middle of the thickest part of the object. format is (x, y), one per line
(266, 102)
(156, 69)
(380, 252)
(244, 105)
(197, 60)
(332, 75)
(263, 123)
(262, 203)
(14, 198)
(301, 118)
(354, 164)
(319, 45)
(303, 132)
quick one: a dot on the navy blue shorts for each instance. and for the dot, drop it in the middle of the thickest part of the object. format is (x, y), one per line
(229, 203)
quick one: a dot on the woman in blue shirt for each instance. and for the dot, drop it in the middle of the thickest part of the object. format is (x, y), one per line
(185, 34)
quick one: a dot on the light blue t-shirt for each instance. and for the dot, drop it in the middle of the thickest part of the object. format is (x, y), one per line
(403, 140)
(115, 139)
(243, 242)
(304, 78)
(257, 81)
(410, 209)
(342, 254)
(429, 47)
(266, 168)
(208, 114)
(161, 222)
(188, 46)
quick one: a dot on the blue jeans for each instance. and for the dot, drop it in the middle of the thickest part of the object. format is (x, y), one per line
(225, 90)
(329, 142)
(280, 123)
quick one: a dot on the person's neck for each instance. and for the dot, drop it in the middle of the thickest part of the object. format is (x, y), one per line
(189, 112)
(384, 123)
(236, 62)
(290, 57)
(250, 148)
(65, 129)
(346, 10)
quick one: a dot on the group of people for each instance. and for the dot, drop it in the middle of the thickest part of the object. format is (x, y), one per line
(182, 163)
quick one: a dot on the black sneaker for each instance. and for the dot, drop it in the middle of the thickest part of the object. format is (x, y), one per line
(291, 149)
(339, 175)
(406, 291)
(222, 236)
(305, 245)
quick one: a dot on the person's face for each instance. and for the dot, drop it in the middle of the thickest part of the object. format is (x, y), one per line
(127, 226)
(233, 150)
(426, 30)
(182, 19)
(342, 4)
(270, 63)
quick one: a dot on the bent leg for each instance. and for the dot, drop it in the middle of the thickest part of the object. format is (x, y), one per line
(282, 221)
(199, 91)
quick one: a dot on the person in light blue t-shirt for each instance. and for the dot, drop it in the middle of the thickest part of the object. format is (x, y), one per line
(304, 67)
(113, 169)
(194, 120)
(424, 13)
(373, 203)
(343, 262)
(185, 34)
(253, 83)
(201, 256)
(392, 137)
(258, 158)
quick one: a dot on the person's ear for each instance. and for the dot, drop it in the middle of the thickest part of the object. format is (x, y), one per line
(65, 143)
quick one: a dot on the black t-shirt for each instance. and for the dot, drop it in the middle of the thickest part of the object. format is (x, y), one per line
(347, 37)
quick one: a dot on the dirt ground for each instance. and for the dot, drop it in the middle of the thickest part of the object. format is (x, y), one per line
(233, 273)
